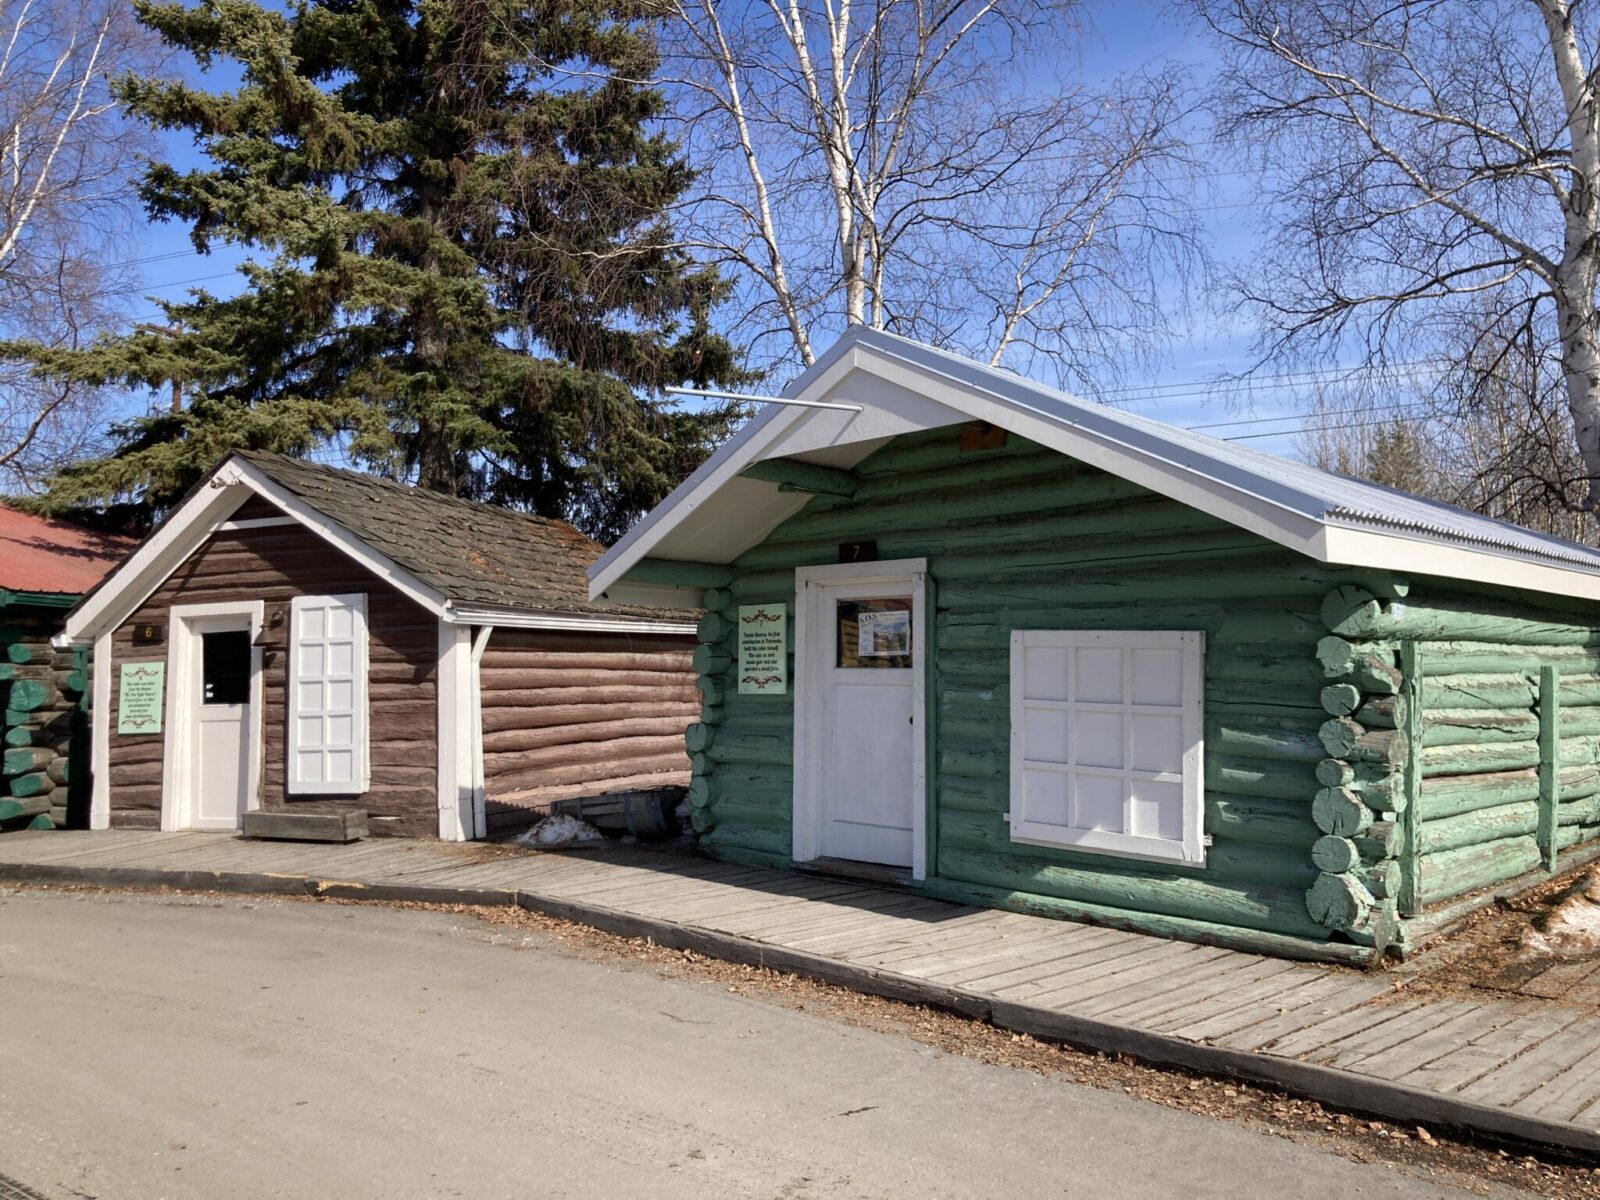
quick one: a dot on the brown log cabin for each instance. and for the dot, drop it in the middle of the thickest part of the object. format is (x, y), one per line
(299, 637)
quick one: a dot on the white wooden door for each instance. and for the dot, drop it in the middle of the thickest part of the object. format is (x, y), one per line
(860, 755)
(222, 722)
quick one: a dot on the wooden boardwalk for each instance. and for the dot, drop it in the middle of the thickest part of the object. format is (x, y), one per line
(1521, 1066)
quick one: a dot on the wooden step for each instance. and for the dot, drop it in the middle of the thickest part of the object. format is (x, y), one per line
(281, 826)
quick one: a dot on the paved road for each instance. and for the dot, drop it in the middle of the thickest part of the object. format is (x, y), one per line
(197, 1048)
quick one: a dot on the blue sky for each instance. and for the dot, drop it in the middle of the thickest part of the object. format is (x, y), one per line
(1120, 36)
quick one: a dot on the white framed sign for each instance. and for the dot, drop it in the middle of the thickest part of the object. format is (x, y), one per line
(763, 649)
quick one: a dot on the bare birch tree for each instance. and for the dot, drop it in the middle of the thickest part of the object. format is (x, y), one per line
(66, 199)
(1433, 179)
(919, 165)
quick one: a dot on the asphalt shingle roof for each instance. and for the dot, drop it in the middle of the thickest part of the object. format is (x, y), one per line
(469, 552)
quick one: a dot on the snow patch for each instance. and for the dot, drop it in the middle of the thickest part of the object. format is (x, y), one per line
(1571, 928)
(558, 830)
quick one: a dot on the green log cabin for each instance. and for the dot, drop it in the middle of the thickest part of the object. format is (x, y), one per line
(1020, 650)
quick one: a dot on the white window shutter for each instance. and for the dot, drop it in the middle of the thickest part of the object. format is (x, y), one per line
(1106, 733)
(327, 735)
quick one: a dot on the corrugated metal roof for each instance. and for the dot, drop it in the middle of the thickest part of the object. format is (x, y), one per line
(38, 554)
(1312, 493)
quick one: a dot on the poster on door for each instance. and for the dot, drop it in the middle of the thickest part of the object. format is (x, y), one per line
(763, 647)
(139, 695)
(883, 634)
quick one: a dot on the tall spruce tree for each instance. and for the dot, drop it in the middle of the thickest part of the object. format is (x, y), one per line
(460, 264)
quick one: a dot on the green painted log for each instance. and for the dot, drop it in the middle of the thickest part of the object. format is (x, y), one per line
(1477, 726)
(750, 814)
(1383, 879)
(939, 510)
(1258, 777)
(1238, 576)
(792, 475)
(1335, 855)
(1261, 820)
(42, 822)
(1353, 612)
(19, 652)
(28, 695)
(731, 747)
(1340, 812)
(1377, 785)
(1233, 697)
(21, 761)
(1478, 826)
(1380, 840)
(35, 784)
(1499, 658)
(1286, 741)
(716, 599)
(8, 673)
(710, 714)
(19, 735)
(1255, 941)
(1339, 901)
(991, 631)
(1383, 712)
(771, 797)
(702, 820)
(734, 777)
(760, 839)
(69, 682)
(972, 795)
(1237, 862)
(939, 450)
(1495, 691)
(1449, 795)
(711, 688)
(1280, 910)
(670, 573)
(713, 628)
(1369, 665)
(1341, 699)
(1508, 756)
(1343, 738)
(1450, 873)
(23, 806)
(698, 737)
(709, 660)
(699, 792)
(971, 550)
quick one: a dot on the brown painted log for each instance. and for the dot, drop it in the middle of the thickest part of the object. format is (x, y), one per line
(587, 754)
(514, 740)
(518, 678)
(567, 660)
(496, 717)
(549, 779)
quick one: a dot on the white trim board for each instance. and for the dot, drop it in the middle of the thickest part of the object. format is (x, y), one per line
(715, 514)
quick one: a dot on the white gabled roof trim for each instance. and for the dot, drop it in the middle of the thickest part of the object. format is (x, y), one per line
(206, 511)
(1326, 517)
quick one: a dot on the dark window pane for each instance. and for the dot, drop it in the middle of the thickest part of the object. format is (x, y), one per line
(874, 634)
(225, 667)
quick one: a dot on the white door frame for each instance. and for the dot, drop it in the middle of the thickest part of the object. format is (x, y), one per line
(183, 645)
(812, 647)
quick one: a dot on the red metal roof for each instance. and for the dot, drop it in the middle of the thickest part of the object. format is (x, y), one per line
(38, 554)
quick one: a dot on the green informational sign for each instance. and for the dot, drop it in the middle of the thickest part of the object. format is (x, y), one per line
(139, 697)
(763, 649)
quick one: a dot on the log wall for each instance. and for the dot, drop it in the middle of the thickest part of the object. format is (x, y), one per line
(43, 775)
(1022, 538)
(582, 714)
(1497, 694)
(275, 564)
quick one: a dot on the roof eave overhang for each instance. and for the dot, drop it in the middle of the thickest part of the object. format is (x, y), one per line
(1412, 555)
(576, 622)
